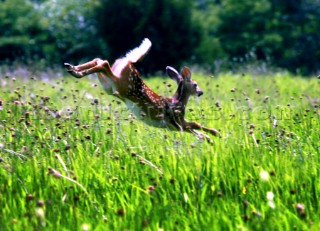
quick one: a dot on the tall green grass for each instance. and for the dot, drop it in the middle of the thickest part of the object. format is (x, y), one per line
(73, 158)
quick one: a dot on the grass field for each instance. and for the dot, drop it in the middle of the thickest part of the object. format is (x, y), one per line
(73, 158)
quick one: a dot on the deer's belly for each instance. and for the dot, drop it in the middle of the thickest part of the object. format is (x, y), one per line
(107, 84)
(144, 116)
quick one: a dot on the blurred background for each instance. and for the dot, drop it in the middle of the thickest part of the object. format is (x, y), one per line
(214, 35)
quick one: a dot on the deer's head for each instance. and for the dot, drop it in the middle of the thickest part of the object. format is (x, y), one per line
(186, 86)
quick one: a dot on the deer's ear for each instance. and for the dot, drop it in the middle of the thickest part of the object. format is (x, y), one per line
(173, 74)
(186, 73)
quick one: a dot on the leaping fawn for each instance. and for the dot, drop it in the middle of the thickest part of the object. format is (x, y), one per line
(123, 81)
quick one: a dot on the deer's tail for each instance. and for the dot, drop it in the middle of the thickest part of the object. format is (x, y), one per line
(132, 56)
(139, 52)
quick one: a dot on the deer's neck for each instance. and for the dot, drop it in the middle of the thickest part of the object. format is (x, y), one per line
(182, 95)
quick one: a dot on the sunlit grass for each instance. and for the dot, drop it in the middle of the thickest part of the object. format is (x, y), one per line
(72, 158)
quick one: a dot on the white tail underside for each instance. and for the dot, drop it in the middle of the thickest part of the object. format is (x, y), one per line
(132, 56)
(137, 53)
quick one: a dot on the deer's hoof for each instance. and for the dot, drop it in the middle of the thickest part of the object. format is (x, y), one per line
(68, 66)
(75, 73)
(206, 138)
(215, 132)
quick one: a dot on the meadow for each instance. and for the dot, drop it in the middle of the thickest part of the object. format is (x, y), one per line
(73, 158)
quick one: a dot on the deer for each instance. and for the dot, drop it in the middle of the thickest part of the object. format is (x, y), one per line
(123, 81)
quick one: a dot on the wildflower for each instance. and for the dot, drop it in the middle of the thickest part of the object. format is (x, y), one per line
(219, 194)
(55, 173)
(186, 198)
(271, 204)
(301, 210)
(85, 227)
(40, 203)
(40, 213)
(245, 217)
(300, 206)
(121, 212)
(270, 197)
(29, 197)
(264, 175)
(151, 188)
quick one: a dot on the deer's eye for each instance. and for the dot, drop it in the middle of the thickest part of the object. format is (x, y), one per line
(195, 85)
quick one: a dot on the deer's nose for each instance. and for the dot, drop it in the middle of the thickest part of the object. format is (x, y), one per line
(200, 93)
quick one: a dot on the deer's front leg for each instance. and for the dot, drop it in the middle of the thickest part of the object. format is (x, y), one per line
(197, 126)
(200, 135)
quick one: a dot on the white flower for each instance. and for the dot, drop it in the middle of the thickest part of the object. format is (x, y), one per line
(300, 206)
(270, 196)
(271, 204)
(264, 175)
(85, 227)
(40, 213)
(186, 198)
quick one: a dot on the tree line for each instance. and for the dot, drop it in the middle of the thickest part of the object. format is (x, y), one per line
(211, 33)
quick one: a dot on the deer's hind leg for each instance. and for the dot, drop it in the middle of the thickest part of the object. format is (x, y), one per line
(78, 71)
(94, 66)
(84, 66)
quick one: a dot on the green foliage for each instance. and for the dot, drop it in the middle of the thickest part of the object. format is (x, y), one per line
(209, 50)
(19, 29)
(69, 30)
(54, 30)
(72, 158)
(168, 24)
(216, 34)
(282, 32)
(249, 16)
